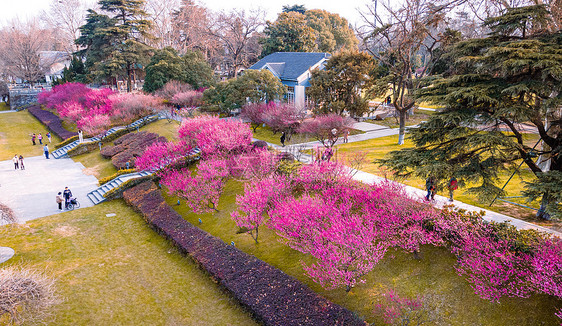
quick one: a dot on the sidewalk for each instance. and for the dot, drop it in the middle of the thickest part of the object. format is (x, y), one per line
(31, 192)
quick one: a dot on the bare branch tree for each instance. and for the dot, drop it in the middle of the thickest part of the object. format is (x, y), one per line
(397, 37)
(191, 26)
(66, 17)
(238, 33)
(7, 215)
(161, 13)
(20, 44)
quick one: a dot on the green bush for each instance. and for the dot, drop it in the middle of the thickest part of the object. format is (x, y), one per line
(66, 142)
(105, 180)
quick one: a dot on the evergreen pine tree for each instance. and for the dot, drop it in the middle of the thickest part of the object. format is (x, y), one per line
(511, 77)
(115, 45)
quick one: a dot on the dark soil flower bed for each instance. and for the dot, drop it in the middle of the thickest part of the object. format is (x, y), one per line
(272, 296)
(53, 122)
(128, 147)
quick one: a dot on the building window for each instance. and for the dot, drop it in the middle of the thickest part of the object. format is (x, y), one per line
(290, 95)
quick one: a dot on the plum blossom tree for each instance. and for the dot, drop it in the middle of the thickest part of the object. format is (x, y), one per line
(216, 137)
(326, 128)
(201, 191)
(160, 155)
(258, 198)
(255, 113)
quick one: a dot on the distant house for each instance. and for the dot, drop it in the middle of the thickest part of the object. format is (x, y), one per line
(54, 62)
(293, 69)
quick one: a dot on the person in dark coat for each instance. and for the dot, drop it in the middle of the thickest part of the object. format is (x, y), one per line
(67, 194)
(283, 139)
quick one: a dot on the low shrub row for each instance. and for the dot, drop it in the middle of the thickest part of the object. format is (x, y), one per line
(66, 142)
(82, 148)
(117, 192)
(105, 180)
(272, 296)
(128, 147)
(53, 123)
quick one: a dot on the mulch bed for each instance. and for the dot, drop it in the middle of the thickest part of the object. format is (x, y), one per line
(53, 122)
(128, 147)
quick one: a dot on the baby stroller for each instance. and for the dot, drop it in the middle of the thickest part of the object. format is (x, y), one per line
(73, 204)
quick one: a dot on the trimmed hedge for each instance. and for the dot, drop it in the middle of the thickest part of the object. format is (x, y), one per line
(82, 148)
(272, 296)
(66, 142)
(105, 180)
(117, 192)
(53, 123)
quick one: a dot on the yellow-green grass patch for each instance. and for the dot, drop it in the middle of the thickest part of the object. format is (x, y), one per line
(118, 271)
(15, 135)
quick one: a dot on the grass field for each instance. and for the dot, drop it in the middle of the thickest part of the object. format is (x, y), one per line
(118, 271)
(15, 135)
(417, 118)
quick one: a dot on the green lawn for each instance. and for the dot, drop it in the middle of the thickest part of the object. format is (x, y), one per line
(4, 106)
(163, 128)
(118, 271)
(15, 135)
(433, 276)
(417, 118)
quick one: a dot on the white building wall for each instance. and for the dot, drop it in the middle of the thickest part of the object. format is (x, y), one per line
(299, 97)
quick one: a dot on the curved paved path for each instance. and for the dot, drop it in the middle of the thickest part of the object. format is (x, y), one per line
(31, 192)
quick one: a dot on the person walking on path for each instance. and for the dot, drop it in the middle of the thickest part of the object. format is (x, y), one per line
(16, 161)
(283, 139)
(80, 136)
(49, 137)
(33, 139)
(21, 163)
(40, 137)
(452, 186)
(67, 194)
(345, 135)
(46, 151)
(430, 187)
(59, 200)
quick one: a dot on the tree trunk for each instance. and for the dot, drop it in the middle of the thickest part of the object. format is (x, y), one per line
(129, 72)
(402, 128)
(541, 213)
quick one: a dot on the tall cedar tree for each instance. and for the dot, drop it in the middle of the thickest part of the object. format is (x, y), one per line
(339, 86)
(114, 46)
(513, 76)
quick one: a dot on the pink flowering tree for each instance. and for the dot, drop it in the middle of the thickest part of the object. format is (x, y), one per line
(327, 129)
(259, 197)
(216, 137)
(203, 190)
(255, 113)
(283, 117)
(93, 124)
(161, 155)
(187, 99)
(129, 107)
(345, 244)
(254, 164)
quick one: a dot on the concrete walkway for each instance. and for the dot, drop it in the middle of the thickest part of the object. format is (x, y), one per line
(31, 192)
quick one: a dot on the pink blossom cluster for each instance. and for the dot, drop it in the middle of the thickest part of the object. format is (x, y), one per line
(95, 110)
(187, 99)
(278, 116)
(216, 137)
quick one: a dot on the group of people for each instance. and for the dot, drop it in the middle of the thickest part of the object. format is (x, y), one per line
(65, 197)
(431, 187)
(18, 162)
(39, 137)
